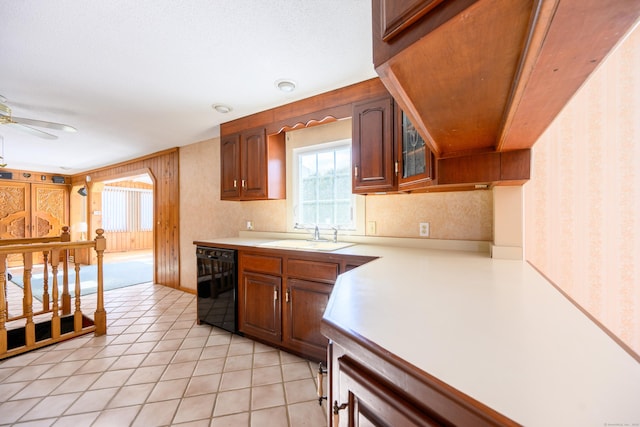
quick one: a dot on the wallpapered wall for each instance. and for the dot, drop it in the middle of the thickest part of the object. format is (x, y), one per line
(463, 215)
(582, 220)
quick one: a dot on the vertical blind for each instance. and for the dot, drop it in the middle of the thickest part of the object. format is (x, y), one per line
(127, 209)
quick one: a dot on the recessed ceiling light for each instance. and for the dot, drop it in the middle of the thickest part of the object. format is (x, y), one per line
(220, 108)
(286, 85)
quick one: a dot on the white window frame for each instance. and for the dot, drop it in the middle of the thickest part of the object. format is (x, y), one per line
(320, 148)
(332, 133)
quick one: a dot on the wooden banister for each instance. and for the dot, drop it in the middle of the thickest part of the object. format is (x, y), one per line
(55, 251)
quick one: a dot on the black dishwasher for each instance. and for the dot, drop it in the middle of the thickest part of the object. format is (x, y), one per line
(217, 287)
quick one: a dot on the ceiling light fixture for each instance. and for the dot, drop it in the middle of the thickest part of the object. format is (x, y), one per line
(221, 108)
(286, 85)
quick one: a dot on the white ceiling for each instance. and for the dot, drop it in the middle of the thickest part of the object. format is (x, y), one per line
(139, 76)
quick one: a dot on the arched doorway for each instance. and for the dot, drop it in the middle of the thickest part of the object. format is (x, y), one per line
(123, 207)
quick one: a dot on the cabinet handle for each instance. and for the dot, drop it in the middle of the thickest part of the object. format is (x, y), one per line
(396, 168)
(355, 172)
(235, 183)
(336, 412)
(321, 373)
(286, 296)
(244, 184)
(275, 295)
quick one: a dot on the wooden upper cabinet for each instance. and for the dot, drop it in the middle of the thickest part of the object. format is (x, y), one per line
(397, 15)
(252, 165)
(372, 146)
(388, 153)
(478, 76)
(415, 160)
(230, 167)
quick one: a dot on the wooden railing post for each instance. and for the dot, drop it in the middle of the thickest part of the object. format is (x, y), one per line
(77, 315)
(66, 298)
(55, 314)
(45, 280)
(3, 304)
(100, 317)
(27, 300)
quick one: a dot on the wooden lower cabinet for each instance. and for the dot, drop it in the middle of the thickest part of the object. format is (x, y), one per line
(261, 306)
(369, 386)
(305, 304)
(371, 402)
(282, 297)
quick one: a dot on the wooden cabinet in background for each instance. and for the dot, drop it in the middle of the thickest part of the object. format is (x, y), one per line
(252, 165)
(15, 210)
(32, 210)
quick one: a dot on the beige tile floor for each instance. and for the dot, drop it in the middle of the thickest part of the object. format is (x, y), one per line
(157, 367)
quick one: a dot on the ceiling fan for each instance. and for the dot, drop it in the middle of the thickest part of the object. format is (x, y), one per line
(27, 125)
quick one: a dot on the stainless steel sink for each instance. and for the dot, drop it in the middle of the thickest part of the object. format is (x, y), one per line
(311, 245)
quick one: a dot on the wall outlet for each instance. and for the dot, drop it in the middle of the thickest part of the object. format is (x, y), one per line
(424, 229)
(371, 227)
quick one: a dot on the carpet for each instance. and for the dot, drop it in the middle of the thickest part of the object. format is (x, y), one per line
(115, 275)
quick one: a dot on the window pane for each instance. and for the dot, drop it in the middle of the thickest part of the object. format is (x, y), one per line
(325, 213)
(308, 215)
(309, 189)
(343, 160)
(343, 212)
(343, 186)
(323, 189)
(307, 165)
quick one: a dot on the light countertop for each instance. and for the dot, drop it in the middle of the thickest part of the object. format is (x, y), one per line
(494, 329)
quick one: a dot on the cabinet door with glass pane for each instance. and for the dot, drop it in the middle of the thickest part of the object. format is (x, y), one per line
(415, 160)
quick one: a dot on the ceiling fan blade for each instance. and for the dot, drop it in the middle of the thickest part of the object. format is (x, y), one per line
(43, 124)
(32, 131)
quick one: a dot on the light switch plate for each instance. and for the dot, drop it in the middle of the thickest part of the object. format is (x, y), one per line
(371, 227)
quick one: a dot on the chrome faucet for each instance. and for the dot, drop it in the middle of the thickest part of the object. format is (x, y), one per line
(316, 232)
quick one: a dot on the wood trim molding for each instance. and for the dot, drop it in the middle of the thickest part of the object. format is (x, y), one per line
(314, 110)
(163, 167)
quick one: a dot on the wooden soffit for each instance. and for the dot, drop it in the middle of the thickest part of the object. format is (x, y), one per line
(491, 75)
